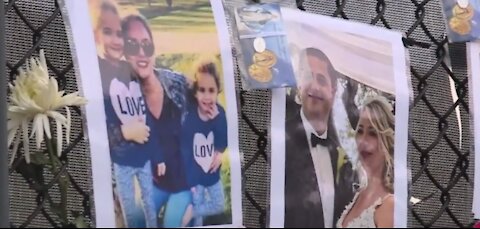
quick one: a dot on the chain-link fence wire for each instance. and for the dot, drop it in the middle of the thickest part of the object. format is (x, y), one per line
(439, 158)
(30, 26)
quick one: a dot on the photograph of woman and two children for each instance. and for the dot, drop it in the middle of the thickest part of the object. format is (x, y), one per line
(162, 67)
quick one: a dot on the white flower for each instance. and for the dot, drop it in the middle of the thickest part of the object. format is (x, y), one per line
(35, 99)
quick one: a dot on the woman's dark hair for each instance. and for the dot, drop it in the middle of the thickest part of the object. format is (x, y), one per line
(207, 68)
(127, 22)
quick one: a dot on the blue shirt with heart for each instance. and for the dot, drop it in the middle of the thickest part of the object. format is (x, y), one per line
(200, 140)
(123, 102)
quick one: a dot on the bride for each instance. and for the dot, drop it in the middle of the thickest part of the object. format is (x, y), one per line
(373, 205)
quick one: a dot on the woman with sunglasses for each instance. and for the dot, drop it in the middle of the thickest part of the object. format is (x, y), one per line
(165, 95)
(125, 138)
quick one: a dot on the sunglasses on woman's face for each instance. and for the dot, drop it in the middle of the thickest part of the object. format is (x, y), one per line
(132, 48)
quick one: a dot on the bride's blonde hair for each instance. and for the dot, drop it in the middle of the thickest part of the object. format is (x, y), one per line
(380, 115)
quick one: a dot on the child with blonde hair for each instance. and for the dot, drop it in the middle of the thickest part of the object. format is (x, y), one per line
(127, 132)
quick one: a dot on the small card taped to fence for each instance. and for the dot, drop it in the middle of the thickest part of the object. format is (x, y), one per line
(462, 17)
(265, 61)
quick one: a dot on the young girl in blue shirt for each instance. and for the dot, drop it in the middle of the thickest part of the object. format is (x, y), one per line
(128, 142)
(204, 139)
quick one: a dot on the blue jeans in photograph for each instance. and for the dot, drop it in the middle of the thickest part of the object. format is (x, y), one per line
(175, 206)
(208, 201)
(124, 176)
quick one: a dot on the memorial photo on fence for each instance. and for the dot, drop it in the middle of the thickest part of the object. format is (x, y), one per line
(166, 76)
(263, 58)
(473, 57)
(338, 152)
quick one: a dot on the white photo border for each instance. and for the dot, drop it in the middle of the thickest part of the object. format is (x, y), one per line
(84, 53)
(402, 101)
(473, 52)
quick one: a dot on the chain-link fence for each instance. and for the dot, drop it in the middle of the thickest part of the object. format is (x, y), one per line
(439, 152)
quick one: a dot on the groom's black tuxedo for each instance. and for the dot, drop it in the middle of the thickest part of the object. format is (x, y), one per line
(303, 204)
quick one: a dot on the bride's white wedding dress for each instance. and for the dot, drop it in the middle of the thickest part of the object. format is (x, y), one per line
(366, 219)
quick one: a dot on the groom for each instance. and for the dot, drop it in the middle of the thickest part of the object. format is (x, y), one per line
(318, 176)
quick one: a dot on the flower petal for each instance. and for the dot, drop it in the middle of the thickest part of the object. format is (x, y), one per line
(11, 135)
(57, 116)
(13, 126)
(12, 123)
(25, 101)
(43, 60)
(52, 93)
(42, 99)
(72, 99)
(37, 129)
(26, 147)
(46, 126)
(68, 126)
(15, 149)
(17, 109)
(59, 137)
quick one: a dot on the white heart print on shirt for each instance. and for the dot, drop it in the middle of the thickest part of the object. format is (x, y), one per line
(204, 150)
(128, 102)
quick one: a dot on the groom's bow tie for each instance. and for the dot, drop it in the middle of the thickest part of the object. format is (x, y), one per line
(318, 141)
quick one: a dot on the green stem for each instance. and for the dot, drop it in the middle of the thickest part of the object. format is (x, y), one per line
(62, 182)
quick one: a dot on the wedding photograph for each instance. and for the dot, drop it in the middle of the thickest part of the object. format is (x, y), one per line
(337, 150)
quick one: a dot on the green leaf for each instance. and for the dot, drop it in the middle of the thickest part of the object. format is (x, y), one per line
(64, 183)
(80, 222)
(76, 214)
(39, 159)
(55, 208)
(31, 172)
